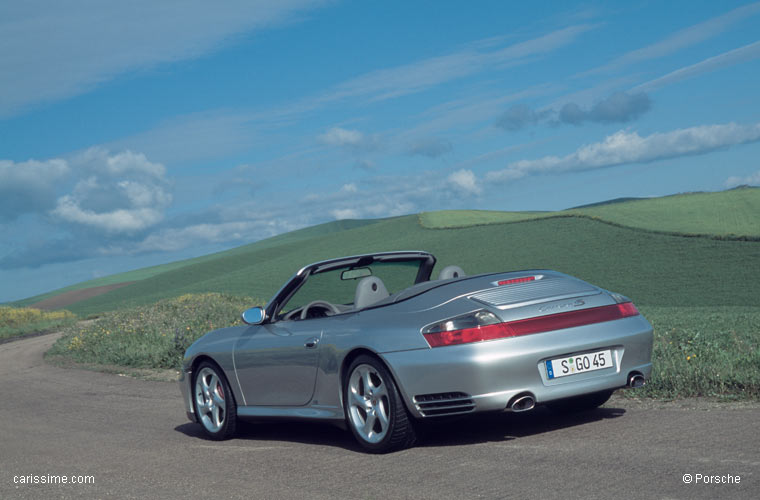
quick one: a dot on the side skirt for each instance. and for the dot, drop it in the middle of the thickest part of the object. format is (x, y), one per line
(333, 414)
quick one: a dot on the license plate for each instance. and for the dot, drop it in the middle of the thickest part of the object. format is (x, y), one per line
(580, 363)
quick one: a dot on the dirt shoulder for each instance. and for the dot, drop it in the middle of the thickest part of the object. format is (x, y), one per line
(704, 404)
(152, 374)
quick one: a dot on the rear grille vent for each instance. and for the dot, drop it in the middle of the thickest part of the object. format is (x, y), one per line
(444, 403)
(549, 287)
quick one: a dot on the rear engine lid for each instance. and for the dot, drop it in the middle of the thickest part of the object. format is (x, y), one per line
(522, 289)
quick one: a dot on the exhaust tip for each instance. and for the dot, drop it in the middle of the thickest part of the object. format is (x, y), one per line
(524, 402)
(636, 380)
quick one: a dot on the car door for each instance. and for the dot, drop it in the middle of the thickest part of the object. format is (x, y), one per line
(276, 363)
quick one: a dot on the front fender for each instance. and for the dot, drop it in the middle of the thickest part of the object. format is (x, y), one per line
(216, 346)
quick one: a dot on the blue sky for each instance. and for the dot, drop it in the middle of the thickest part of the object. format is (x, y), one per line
(137, 133)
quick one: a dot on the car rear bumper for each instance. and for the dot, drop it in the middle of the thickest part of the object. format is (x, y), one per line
(485, 376)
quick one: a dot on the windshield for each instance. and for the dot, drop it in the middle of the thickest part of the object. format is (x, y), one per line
(333, 287)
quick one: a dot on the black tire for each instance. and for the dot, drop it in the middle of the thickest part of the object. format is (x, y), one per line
(213, 402)
(580, 403)
(375, 412)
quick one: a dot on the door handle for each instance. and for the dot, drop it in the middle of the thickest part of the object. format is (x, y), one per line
(312, 343)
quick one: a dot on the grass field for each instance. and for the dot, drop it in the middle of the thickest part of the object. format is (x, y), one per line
(700, 293)
(453, 219)
(19, 321)
(651, 268)
(704, 351)
(732, 214)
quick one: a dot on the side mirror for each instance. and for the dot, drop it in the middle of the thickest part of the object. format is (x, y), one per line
(254, 316)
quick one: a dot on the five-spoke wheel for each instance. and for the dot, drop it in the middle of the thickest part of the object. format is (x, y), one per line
(214, 402)
(374, 410)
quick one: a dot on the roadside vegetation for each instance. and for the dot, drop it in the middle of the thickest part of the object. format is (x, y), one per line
(698, 351)
(700, 293)
(704, 351)
(153, 336)
(19, 321)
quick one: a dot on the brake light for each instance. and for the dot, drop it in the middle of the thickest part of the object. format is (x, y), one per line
(447, 333)
(516, 280)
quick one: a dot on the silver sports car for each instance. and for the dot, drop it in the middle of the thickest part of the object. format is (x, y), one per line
(373, 342)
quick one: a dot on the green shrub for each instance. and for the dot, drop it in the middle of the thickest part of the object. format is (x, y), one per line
(153, 336)
(16, 321)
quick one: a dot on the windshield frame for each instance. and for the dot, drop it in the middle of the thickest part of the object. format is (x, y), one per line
(426, 262)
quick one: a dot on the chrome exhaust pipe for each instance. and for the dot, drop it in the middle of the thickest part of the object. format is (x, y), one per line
(636, 380)
(523, 403)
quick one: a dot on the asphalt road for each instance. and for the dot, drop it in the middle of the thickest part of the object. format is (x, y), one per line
(132, 438)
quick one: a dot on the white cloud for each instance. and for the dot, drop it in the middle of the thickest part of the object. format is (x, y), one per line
(730, 58)
(349, 188)
(389, 196)
(173, 239)
(62, 49)
(337, 136)
(352, 140)
(464, 180)
(344, 213)
(125, 162)
(141, 195)
(29, 187)
(750, 180)
(31, 172)
(117, 193)
(121, 192)
(629, 147)
(115, 221)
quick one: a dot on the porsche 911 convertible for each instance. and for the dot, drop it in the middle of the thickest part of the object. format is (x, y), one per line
(374, 343)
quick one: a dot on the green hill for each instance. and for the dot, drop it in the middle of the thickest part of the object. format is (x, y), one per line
(733, 214)
(607, 202)
(149, 272)
(605, 245)
(651, 268)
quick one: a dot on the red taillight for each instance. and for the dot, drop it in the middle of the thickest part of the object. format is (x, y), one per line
(627, 309)
(528, 326)
(516, 280)
(467, 335)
